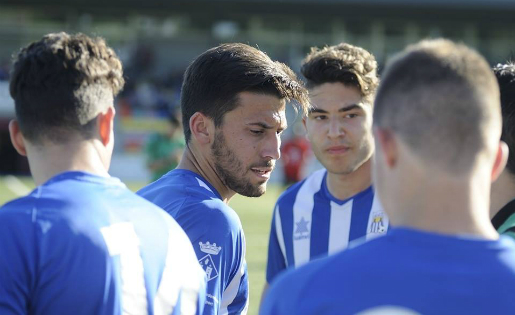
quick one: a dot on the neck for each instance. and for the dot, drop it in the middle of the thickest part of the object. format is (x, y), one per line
(343, 186)
(503, 191)
(197, 162)
(52, 159)
(442, 204)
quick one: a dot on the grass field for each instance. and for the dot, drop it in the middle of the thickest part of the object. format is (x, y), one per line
(255, 215)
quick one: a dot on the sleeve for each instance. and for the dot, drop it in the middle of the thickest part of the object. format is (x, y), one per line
(220, 249)
(16, 269)
(276, 261)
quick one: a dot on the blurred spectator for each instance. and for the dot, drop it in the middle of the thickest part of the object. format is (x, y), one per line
(294, 154)
(164, 150)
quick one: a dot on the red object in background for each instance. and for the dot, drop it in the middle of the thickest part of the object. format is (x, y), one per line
(294, 154)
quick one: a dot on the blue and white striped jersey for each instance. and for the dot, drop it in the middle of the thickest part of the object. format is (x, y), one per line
(85, 244)
(214, 230)
(308, 223)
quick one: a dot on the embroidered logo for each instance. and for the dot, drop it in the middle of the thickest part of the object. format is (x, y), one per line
(210, 248)
(301, 229)
(377, 225)
(207, 261)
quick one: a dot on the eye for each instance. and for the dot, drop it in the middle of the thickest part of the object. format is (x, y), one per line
(257, 132)
(351, 115)
(320, 117)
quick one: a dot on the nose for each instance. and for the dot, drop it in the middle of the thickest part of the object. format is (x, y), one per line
(335, 129)
(272, 147)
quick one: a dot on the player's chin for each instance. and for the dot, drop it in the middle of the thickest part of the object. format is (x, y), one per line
(255, 190)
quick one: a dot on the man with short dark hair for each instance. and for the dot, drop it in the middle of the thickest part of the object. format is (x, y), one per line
(233, 107)
(336, 205)
(81, 242)
(502, 209)
(437, 123)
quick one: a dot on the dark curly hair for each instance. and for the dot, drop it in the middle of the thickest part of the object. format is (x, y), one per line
(505, 74)
(60, 83)
(344, 63)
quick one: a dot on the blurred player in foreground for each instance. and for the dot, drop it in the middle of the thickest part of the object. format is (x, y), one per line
(503, 189)
(81, 242)
(437, 124)
(335, 205)
(233, 106)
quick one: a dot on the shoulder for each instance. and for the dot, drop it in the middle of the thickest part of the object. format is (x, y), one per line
(346, 264)
(308, 186)
(18, 208)
(176, 187)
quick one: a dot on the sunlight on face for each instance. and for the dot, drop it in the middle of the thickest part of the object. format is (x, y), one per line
(247, 144)
(339, 127)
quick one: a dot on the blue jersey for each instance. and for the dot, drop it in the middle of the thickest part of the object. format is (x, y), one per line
(406, 272)
(308, 222)
(84, 244)
(214, 230)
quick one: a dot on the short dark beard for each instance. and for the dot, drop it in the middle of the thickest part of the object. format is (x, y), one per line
(230, 169)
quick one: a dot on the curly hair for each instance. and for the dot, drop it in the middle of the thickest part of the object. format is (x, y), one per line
(60, 84)
(214, 79)
(505, 74)
(344, 63)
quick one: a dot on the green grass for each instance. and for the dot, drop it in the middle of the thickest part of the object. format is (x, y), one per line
(255, 215)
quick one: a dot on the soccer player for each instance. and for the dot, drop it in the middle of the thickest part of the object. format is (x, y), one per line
(437, 124)
(81, 242)
(335, 205)
(503, 189)
(233, 105)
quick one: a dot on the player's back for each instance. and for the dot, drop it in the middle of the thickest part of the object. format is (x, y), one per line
(405, 272)
(84, 244)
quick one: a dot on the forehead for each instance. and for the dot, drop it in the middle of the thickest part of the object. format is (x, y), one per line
(255, 107)
(330, 96)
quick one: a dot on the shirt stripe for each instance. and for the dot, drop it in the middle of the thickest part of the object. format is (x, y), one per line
(339, 226)
(320, 225)
(302, 217)
(279, 232)
(231, 291)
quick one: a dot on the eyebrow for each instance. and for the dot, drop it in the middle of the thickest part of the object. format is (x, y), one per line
(265, 126)
(341, 110)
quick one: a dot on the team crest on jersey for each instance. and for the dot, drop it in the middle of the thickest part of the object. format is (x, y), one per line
(377, 225)
(207, 261)
(301, 229)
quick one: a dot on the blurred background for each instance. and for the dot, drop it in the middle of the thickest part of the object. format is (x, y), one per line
(156, 41)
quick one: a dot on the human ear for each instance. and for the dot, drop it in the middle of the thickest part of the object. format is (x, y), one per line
(202, 128)
(387, 145)
(501, 158)
(17, 138)
(105, 124)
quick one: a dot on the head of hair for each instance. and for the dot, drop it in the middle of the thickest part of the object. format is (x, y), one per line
(344, 63)
(213, 80)
(505, 74)
(60, 83)
(442, 100)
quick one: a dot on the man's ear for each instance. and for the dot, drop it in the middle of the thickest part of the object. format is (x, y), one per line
(17, 138)
(501, 158)
(202, 128)
(387, 145)
(105, 125)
